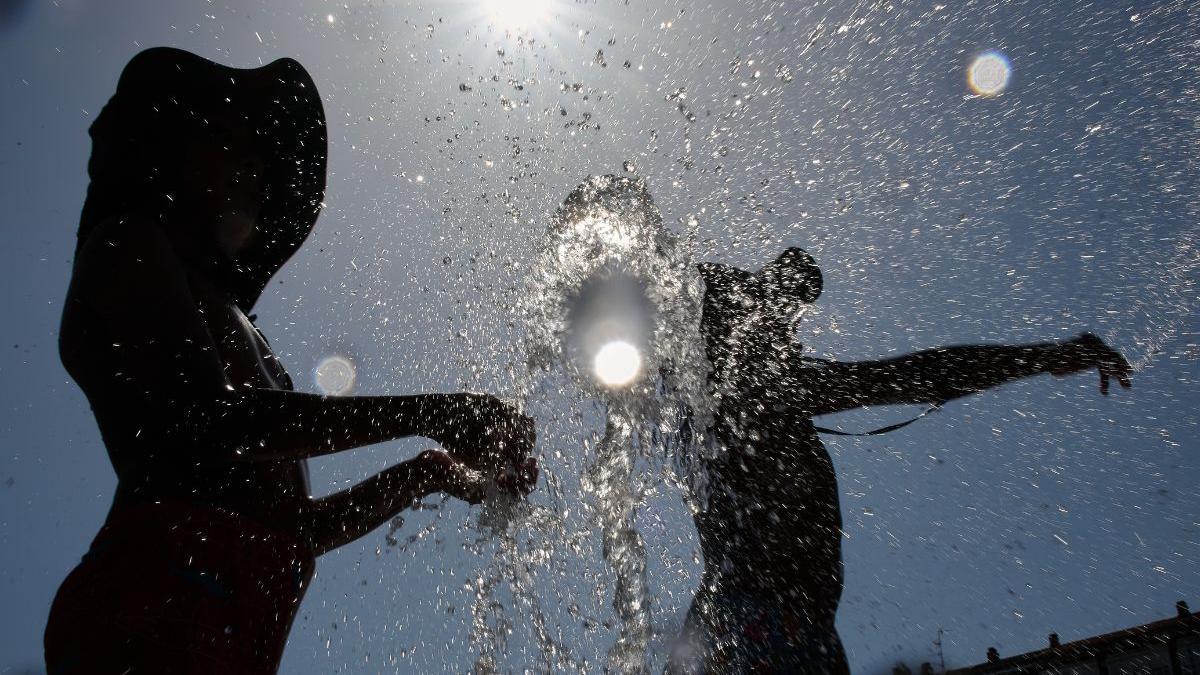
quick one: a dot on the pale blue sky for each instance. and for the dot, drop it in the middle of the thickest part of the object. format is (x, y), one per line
(1067, 203)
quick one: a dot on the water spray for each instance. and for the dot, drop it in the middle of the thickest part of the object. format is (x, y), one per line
(614, 303)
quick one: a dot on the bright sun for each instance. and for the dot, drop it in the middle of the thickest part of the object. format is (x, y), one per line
(517, 14)
(617, 363)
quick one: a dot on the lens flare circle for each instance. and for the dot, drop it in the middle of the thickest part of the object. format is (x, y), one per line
(335, 375)
(988, 74)
(617, 363)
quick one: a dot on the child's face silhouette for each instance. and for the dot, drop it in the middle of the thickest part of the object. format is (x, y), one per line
(225, 183)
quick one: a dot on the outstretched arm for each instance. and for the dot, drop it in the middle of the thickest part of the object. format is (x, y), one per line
(166, 366)
(939, 375)
(263, 424)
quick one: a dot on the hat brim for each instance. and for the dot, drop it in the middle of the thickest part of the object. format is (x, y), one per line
(278, 102)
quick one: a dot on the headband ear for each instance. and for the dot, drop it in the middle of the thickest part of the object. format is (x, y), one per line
(794, 274)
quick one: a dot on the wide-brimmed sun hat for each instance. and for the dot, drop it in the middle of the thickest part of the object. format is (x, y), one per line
(166, 94)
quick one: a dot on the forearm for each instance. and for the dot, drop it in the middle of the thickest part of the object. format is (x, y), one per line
(343, 517)
(261, 424)
(938, 375)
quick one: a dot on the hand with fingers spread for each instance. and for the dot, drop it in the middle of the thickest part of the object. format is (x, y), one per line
(482, 430)
(1088, 351)
(485, 441)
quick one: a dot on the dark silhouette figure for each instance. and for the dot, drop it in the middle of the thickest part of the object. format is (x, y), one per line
(771, 533)
(204, 181)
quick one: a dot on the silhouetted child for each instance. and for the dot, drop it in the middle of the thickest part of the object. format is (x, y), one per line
(771, 532)
(204, 181)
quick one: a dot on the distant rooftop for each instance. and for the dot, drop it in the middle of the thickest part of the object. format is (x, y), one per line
(1167, 647)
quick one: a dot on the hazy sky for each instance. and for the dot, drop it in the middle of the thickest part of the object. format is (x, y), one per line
(1068, 202)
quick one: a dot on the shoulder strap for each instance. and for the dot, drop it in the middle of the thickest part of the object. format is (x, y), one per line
(280, 370)
(881, 430)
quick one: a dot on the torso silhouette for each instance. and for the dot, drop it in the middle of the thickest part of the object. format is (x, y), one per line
(772, 528)
(272, 493)
(201, 554)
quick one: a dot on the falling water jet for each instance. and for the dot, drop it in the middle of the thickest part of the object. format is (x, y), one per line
(615, 304)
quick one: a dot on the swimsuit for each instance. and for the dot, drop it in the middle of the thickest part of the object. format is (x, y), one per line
(172, 587)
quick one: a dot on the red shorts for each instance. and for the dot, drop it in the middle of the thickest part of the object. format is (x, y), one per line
(178, 588)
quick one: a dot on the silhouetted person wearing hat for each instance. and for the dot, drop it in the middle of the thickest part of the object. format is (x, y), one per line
(771, 532)
(204, 181)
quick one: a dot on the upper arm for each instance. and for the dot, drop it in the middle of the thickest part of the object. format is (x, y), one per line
(129, 283)
(833, 386)
(820, 386)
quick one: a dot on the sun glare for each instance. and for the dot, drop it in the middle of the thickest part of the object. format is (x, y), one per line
(617, 363)
(517, 14)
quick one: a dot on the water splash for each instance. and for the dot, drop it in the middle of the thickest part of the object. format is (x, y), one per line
(607, 272)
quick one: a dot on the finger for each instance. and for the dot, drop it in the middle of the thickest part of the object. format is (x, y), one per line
(509, 479)
(1115, 359)
(520, 480)
(474, 494)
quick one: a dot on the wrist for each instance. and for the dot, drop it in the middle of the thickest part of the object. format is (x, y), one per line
(427, 415)
(1061, 357)
(429, 474)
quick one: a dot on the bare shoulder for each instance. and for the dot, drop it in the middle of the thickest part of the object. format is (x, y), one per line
(130, 292)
